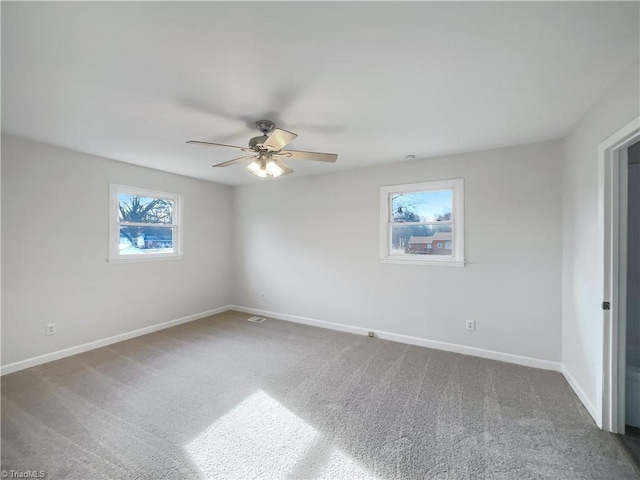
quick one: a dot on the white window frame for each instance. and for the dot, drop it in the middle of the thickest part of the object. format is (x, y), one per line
(114, 225)
(457, 223)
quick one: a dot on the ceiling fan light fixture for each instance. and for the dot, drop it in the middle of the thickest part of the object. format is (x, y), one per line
(265, 168)
(273, 169)
(255, 168)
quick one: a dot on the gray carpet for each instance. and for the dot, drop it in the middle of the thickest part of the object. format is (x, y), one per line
(229, 399)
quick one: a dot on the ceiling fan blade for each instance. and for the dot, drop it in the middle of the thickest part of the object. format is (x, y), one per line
(315, 156)
(234, 161)
(285, 169)
(278, 139)
(209, 144)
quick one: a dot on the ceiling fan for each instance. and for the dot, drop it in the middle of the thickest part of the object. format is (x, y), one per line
(267, 152)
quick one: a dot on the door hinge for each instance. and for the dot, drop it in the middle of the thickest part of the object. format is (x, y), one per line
(606, 305)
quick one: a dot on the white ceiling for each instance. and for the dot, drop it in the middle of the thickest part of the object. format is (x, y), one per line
(370, 81)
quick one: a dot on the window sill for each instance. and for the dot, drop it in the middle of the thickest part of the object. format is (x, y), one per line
(143, 258)
(419, 261)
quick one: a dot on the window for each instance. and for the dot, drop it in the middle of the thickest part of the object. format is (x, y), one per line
(423, 223)
(144, 225)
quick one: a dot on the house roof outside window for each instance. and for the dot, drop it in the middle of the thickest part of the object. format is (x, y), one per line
(439, 236)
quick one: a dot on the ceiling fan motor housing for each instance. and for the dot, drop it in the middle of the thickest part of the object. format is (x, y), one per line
(255, 141)
(266, 127)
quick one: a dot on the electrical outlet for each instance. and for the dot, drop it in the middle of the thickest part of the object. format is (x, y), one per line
(470, 325)
(50, 328)
(263, 296)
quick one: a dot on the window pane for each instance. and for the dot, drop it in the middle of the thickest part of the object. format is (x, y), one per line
(145, 240)
(422, 240)
(430, 206)
(134, 208)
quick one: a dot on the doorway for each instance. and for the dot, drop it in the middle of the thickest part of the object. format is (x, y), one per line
(630, 176)
(619, 245)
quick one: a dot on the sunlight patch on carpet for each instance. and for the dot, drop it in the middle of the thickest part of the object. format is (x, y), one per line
(260, 438)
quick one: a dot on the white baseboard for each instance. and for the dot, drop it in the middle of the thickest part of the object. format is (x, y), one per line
(575, 386)
(85, 347)
(449, 347)
(422, 342)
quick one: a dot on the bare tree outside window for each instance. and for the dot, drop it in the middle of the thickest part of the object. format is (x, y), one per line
(423, 223)
(416, 215)
(145, 223)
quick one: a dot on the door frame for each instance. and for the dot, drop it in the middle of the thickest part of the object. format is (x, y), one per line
(612, 245)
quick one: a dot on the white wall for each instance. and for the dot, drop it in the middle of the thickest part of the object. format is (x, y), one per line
(582, 294)
(54, 249)
(311, 244)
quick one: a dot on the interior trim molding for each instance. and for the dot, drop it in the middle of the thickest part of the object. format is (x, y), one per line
(595, 413)
(422, 342)
(85, 347)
